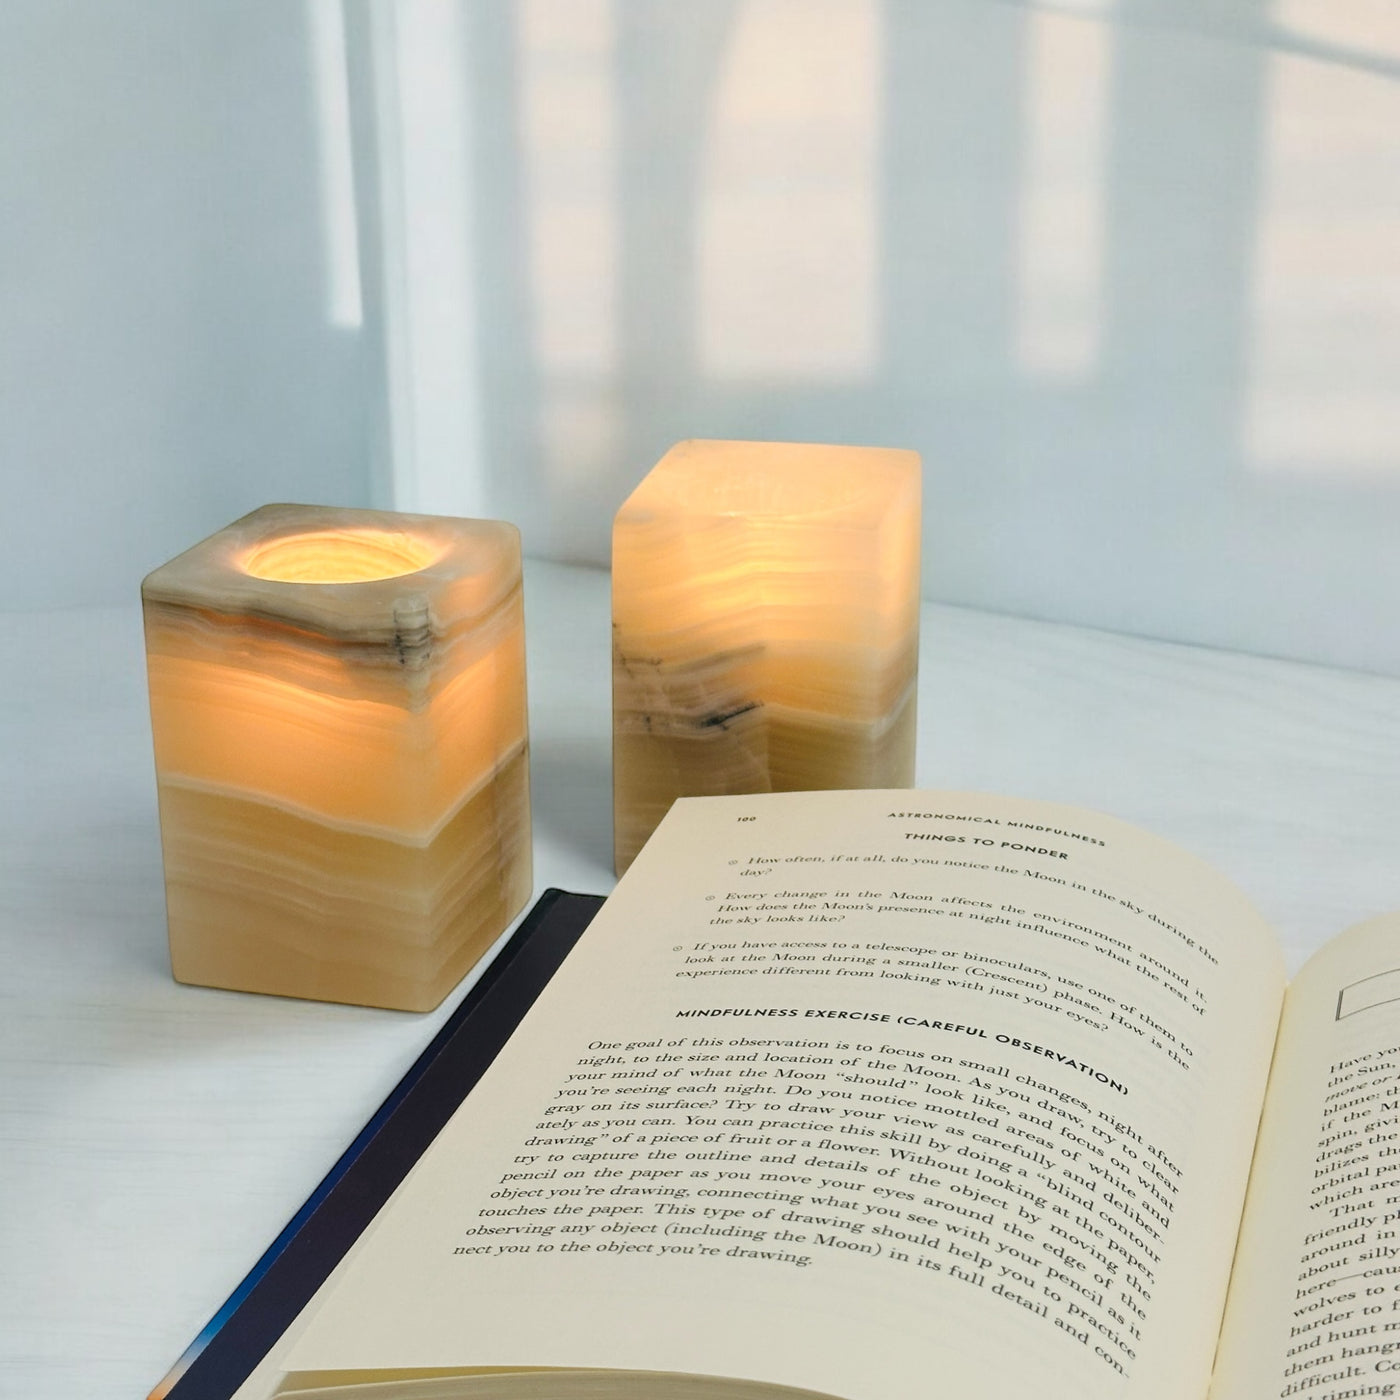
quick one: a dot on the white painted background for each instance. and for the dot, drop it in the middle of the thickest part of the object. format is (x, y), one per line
(1127, 274)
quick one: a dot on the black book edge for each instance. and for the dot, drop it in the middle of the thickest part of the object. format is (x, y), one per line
(314, 1241)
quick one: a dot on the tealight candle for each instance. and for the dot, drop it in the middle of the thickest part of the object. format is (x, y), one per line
(765, 626)
(338, 710)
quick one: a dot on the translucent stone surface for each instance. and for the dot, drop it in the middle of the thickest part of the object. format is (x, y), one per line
(338, 708)
(765, 625)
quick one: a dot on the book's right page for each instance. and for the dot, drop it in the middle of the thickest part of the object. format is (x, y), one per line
(1314, 1307)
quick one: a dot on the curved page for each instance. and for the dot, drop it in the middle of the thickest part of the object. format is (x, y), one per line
(1315, 1303)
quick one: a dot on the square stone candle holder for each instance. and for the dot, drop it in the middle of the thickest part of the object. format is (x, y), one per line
(338, 708)
(765, 626)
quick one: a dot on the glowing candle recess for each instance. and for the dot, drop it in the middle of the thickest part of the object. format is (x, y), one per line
(338, 708)
(765, 626)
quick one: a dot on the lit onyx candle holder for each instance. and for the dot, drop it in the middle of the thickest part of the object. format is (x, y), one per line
(338, 706)
(765, 626)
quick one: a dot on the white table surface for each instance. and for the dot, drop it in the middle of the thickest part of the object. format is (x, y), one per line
(154, 1138)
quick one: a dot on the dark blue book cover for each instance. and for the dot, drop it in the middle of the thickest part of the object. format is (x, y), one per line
(315, 1240)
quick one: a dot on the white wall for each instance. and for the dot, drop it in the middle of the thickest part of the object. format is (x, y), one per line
(1127, 274)
(168, 358)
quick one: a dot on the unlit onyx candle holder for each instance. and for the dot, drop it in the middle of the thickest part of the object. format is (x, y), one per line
(765, 626)
(338, 709)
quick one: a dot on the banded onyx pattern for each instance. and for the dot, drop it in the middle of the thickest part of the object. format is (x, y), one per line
(765, 626)
(338, 710)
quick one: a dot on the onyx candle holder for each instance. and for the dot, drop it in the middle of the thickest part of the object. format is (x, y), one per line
(338, 712)
(765, 626)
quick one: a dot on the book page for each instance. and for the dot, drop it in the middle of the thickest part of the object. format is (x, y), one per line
(848, 1091)
(1315, 1302)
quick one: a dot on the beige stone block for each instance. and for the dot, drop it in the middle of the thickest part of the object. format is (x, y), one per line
(765, 626)
(338, 710)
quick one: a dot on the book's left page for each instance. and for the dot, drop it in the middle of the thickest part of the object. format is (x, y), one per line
(842, 1092)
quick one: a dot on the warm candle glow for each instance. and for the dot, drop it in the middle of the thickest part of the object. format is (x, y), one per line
(339, 556)
(343, 772)
(765, 624)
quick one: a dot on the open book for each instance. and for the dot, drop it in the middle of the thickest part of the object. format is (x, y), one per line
(886, 1095)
